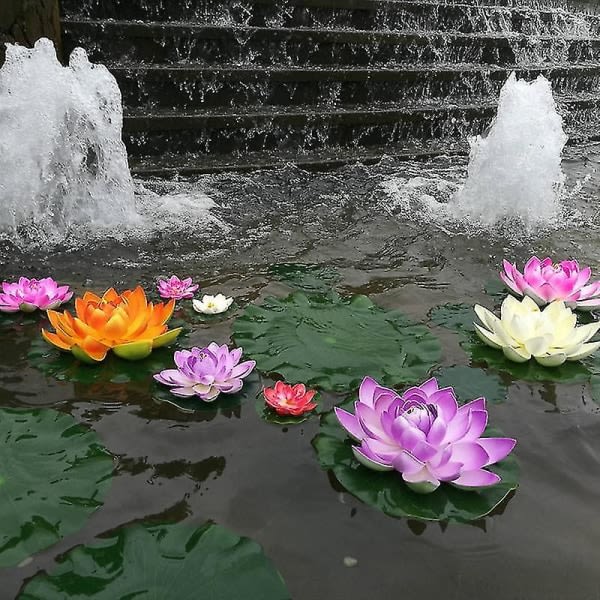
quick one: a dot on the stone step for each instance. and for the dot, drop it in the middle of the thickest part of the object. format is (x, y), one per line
(188, 88)
(298, 130)
(305, 129)
(171, 165)
(410, 15)
(169, 43)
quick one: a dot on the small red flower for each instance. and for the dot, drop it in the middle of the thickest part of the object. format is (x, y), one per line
(288, 399)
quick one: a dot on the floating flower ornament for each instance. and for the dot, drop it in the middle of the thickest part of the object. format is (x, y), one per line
(206, 372)
(543, 281)
(288, 399)
(523, 331)
(424, 435)
(30, 294)
(212, 305)
(178, 289)
(125, 323)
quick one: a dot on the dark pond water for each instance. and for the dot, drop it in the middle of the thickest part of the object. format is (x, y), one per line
(263, 480)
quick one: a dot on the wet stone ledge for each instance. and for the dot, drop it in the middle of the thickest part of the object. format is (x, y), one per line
(25, 21)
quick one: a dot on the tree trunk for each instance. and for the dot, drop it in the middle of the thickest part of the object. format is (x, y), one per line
(25, 21)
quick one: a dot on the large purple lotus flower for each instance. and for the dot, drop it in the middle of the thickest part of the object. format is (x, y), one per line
(30, 294)
(424, 435)
(543, 281)
(176, 288)
(206, 372)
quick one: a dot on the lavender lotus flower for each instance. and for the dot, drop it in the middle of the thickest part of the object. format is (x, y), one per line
(543, 281)
(30, 294)
(206, 372)
(424, 435)
(176, 288)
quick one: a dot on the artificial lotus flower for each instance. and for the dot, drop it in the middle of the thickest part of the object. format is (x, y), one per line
(424, 435)
(523, 331)
(288, 399)
(212, 305)
(206, 372)
(543, 281)
(30, 294)
(125, 323)
(178, 289)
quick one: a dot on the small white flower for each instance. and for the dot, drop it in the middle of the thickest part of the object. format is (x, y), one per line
(212, 305)
(524, 331)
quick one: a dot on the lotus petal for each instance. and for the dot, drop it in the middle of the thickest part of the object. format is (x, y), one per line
(584, 351)
(350, 423)
(166, 338)
(370, 463)
(476, 479)
(551, 360)
(134, 350)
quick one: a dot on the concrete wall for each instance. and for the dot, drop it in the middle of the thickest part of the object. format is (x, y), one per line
(25, 21)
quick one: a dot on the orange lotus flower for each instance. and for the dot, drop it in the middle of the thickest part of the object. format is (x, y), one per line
(125, 323)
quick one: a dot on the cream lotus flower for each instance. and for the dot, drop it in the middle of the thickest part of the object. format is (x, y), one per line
(212, 305)
(523, 331)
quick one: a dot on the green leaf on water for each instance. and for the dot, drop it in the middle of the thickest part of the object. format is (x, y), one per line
(158, 562)
(470, 383)
(306, 277)
(331, 342)
(456, 317)
(54, 474)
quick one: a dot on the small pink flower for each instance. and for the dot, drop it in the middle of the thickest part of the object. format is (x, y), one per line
(288, 399)
(544, 281)
(30, 294)
(176, 288)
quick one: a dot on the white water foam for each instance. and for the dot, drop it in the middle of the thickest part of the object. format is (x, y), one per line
(514, 175)
(64, 174)
(62, 161)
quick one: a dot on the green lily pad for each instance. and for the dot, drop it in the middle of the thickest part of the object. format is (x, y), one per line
(331, 342)
(160, 562)
(456, 317)
(224, 402)
(63, 366)
(306, 277)
(54, 475)
(496, 289)
(470, 383)
(387, 492)
(480, 353)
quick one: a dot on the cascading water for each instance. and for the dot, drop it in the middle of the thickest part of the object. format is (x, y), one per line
(62, 161)
(515, 169)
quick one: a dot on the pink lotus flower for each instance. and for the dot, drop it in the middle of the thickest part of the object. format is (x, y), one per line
(543, 281)
(206, 372)
(176, 288)
(288, 399)
(424, 435)
(30, 294)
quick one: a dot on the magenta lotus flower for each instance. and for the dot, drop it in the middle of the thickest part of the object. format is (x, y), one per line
(206, 372)
(424, 435)
(543, 281)
(176, 288)
(30, 294)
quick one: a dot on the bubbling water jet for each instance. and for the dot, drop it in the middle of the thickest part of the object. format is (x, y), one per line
(63, 165)
(515, 170)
